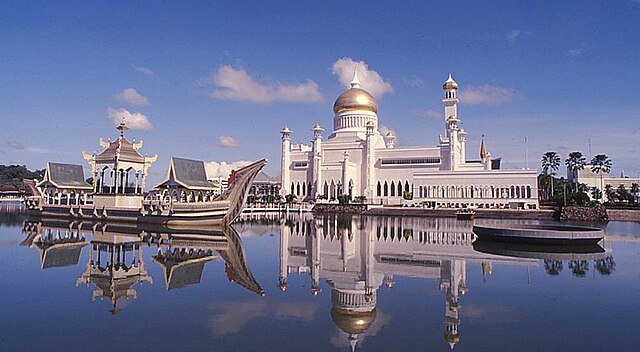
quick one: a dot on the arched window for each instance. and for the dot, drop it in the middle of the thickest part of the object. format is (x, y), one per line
(399, 188)
(528, 191)
(393, 189)
(293, 187)
(406, 187)
(379, 190)
(298, 189)
(386, 189)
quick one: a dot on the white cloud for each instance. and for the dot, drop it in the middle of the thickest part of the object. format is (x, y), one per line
(134, 120)
(228, 142)
(231, 318)
(487, 95)
(17, 146)
(132, 96)
(223, 169)
(575, 52)
(236, 84)
(144, 70)
(370, 80)
(513, 35)
(432, 114)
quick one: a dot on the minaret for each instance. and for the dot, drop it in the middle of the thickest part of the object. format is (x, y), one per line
(370, 159)
(454, 135)
(317, 160)
(450, 99)
(286, 161)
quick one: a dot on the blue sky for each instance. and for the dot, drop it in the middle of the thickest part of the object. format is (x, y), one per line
(217, 80)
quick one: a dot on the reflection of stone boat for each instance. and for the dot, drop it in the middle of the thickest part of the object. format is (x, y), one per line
(115, 266)
(116, 189)
(465, 214)
(540, 234)
(537, 251)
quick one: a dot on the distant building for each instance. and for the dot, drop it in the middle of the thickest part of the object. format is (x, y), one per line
(600, 181)
(265, 185)
(221, 183)
(358, 160)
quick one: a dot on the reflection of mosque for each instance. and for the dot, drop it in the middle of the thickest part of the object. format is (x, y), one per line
(356, 255)
(116, 267)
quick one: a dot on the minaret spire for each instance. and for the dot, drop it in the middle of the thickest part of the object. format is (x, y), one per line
(483, 149)
(355, 82)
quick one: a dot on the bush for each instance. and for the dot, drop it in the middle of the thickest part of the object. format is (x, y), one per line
(344, 199)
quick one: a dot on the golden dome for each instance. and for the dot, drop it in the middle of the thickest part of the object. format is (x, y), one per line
(450, 83)
(355, 99)
(353, 322)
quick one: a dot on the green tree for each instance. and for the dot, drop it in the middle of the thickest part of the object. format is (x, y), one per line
(601, 164)
(610, 193)
(635, 191)
(289, 198)
(550, 163)
(575, 162)
(624, 195)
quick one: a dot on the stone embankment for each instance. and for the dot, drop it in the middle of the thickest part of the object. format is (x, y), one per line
(623, 215)
(340, 208)
(575, 213)
(543, 214)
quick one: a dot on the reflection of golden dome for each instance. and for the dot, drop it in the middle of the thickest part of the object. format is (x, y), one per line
(451, 338)
(355, 99)
(353, 322)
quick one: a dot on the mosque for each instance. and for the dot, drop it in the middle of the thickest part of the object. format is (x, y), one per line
(358, 160)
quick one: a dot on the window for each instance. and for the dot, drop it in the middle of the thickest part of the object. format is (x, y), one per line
(411, 161)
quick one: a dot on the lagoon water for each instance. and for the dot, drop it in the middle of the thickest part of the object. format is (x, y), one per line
(312, 284)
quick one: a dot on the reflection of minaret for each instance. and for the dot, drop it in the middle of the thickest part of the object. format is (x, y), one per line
(354, 299)
(453, 278)
(115, 266)
(284, 258)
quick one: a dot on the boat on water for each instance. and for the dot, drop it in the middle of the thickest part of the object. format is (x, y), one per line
(465, 214)
(537, 251)
(115, 191)
(539, 234)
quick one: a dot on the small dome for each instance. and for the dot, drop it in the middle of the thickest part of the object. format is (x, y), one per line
(355, 99)
(353, 322)
(450, 83)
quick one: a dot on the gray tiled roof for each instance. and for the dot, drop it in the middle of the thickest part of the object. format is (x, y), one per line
(67, 175)
(127, 153)
(190, 173)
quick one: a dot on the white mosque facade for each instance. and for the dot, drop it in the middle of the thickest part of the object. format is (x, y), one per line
(358, 160)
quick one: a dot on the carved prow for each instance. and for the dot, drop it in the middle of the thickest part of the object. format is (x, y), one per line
(238, 190)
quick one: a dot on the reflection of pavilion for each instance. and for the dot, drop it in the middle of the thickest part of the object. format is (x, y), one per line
(115, 266)
(58, 246)
(355, 255)
(116, 263)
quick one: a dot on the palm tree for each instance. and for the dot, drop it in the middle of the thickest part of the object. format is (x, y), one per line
(575, 162)
(635, 189)
(550, 162)
(601, 164)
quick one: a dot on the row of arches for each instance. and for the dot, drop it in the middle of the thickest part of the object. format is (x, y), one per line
(393, 188)
(481, 192)
(120, 181)
(53, 196)
(351, 121)
(300, 189)
(186, 196)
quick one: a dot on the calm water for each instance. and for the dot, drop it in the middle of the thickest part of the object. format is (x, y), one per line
(323, 284)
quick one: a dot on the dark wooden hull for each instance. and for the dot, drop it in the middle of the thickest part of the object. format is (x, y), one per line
(540, 234)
